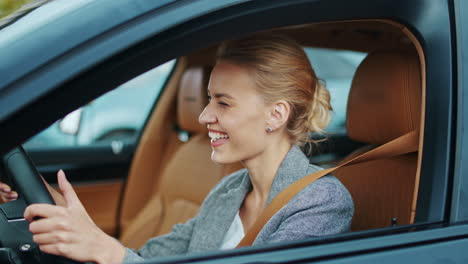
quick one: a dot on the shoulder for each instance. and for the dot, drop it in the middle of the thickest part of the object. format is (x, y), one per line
(323, 207)
(327, 184)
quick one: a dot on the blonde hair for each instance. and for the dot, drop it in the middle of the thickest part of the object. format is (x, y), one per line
(282, 71)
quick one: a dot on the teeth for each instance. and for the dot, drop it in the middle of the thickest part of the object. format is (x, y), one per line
(215, 136)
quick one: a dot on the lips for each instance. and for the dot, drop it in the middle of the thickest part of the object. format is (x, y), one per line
(218, 138)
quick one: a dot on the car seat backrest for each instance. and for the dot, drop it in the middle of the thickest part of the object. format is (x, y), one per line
(187, 174)
(385, 97)
(192, 98)
(384, 103)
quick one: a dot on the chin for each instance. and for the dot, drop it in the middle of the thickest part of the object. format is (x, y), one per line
(222, 158)
(219, 160)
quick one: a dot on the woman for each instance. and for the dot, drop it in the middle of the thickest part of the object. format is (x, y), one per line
(264, 101)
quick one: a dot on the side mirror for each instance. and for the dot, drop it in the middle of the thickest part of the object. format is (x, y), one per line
(70, 124)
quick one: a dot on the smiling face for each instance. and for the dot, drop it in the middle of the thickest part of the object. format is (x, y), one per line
(236, 115)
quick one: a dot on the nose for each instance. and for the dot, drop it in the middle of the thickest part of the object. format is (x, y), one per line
(207, 116)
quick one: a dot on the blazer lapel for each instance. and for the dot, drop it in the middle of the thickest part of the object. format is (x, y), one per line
(215, 222)
(293, 167)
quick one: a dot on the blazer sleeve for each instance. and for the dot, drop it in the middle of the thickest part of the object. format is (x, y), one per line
(322, 208)
(175, 242)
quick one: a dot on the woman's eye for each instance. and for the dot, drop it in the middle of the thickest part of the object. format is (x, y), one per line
(209, 98)
(223, 103)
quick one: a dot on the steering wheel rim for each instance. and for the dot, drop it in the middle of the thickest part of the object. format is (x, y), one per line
(25, 177)
(22, 172)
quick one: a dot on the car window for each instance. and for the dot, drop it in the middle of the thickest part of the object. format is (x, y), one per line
(118, 115)
(336, 69)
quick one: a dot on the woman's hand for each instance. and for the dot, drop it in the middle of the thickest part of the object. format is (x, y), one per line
(69, 231)
(6, 193)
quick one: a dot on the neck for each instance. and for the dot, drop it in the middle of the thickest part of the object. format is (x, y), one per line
(263, 168)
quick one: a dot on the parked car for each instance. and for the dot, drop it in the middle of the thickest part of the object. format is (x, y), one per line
(53, 62)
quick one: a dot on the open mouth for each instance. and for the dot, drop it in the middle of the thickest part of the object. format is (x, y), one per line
(217, 138)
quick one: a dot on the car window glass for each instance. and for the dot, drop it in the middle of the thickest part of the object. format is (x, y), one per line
(336, 69)
(118, 115)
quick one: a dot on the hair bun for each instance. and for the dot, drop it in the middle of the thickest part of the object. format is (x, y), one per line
(320, 116)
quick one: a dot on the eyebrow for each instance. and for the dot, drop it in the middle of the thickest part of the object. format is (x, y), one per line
(219, 95)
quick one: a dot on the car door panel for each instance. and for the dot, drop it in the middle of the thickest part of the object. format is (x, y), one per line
(101, 201)
(95, 162)
(439, 245)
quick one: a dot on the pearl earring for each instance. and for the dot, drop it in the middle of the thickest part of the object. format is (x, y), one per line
(269, 129)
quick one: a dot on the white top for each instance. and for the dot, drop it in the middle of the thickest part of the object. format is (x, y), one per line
(234, 235)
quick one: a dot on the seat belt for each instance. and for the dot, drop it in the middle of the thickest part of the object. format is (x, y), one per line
(408, 143)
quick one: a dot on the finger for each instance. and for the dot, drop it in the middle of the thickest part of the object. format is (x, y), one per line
(45, 225)
(55, 249)
(9, 193)
(35, 211)
(4, 187)
(67, 190)
(8, 196)
(12, 196)
(6, 199)
(52, 238)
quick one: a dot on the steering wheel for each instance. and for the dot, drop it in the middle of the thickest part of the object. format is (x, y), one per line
(16, 244)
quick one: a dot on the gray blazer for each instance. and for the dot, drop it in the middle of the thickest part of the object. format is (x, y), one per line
(323, 208)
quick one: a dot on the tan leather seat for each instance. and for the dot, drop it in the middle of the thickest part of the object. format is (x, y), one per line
(384, 103)
(187, 172)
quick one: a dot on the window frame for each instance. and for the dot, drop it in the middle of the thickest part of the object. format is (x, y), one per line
(183, 38)
(459, 204)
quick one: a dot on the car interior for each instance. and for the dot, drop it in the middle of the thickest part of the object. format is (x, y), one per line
(384, 103)
(171, 171)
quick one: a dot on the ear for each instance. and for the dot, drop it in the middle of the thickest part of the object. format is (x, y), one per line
(278, 114)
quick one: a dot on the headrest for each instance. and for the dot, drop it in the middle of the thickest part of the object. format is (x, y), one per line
(385, 97)
(192, 99)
